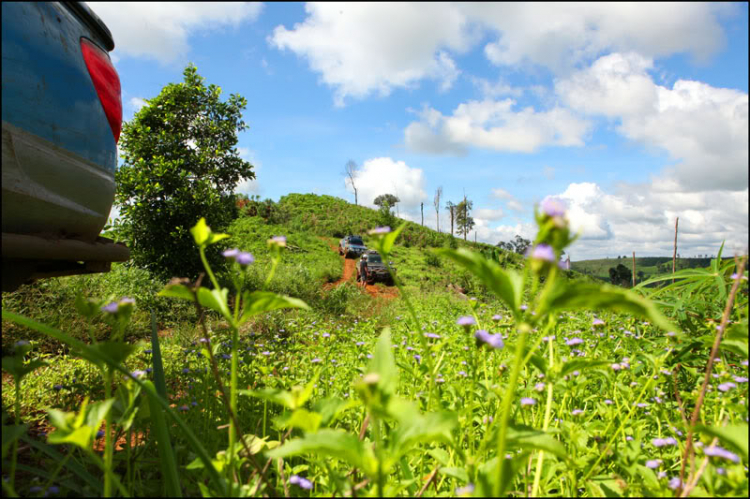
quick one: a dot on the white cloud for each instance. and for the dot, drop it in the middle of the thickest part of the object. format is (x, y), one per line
(137, 103)
(511, 201)
(247, 186)
(704, 129)
(499, 88)
(363, 48)
(561, 35)
(385, 176)
(160, 31)
(489, 214)
(494, 125)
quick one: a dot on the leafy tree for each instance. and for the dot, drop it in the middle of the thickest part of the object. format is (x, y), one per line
(180, 163)
(388, 199)
(464, 222)
(621, 275)
(517, 245)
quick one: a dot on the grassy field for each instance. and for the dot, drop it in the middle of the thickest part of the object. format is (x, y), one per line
(536, 382)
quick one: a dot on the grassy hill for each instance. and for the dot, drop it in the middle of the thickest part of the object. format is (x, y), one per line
(649, 265)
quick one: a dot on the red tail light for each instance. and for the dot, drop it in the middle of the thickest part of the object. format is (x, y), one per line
(106, 82)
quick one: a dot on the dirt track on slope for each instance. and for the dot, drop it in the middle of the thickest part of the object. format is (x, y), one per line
(350, 275)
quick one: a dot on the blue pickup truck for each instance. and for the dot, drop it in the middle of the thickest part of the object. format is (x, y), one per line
(62, 116)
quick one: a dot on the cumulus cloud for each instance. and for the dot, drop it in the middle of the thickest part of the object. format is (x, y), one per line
(489, 214)
(561, 35)
(364, 48)
(495, 125)
(385, 176)
(160, 31)
(137, 103)
(704, 129)
(510, 200)
(249, 187)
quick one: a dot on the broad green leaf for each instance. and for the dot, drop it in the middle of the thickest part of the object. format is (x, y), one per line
(737, 347)
(259, 302)
(331, 443)
(387, 241)
(216, 300)
(649, 477)
(440, 456)
(525, 437)
(305, 420)
(16, 367)
(275, 395)
(201, 232)
(80, 437)
(569, 296)
(383, 364)
(507, 285)
(330, 408)
(86, 307)
(734, 436)
(177, 291)
(117, 351)
(457, 473)
(96, 413)
(432, 427)
(10, 434)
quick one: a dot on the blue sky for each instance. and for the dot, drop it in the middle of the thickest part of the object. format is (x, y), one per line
(631, 114)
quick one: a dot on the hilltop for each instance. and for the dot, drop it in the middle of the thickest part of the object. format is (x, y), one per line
(645, 266)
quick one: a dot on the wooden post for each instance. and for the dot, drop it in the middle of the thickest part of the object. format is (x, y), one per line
(634, 269)
(674, 255)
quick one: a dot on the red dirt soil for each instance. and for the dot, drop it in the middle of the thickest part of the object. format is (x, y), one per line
(350, 275)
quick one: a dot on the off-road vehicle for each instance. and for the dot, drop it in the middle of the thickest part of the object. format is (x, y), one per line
(371, 269)
(351, 246)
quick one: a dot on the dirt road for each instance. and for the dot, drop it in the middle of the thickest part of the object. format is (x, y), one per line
(350, 275)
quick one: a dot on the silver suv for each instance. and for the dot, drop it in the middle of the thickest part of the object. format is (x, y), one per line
(351, 246)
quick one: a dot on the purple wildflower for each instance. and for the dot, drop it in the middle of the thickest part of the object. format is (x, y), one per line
(653, 463)
(577, 412)
(230, 253)
(380, 230)
(465, 491)
(722, 453)
(527, 401)
(315, 360)
(278, 240)
(725, 387)
(539, 387)
(432, 335)
(466, 321)
(608, 402)
(524, 307)
(543, 252)
(497, 317)
(100, 434)
(57, 388)
(661, 442)
(111, 308)
(300, 482)
(418, 357)
(493, 340)
(675, 483)
(553, 207)
(740, 379)
(597, 322)
(574, 341)
(616, 367)
(138, 373)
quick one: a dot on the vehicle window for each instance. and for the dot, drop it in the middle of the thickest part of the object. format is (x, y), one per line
(356, 240)
(374, 258)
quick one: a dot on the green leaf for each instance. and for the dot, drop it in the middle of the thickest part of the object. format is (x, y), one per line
(734, 436)
(177, 291)
(457, 473)
(569, 296)
(331, 443)
(201, 232)
(507, 285)
(80, 437)
(259, 302)
(582, 365)
(525, 437)
(167, 460)
(275, 395)
(86, 307)
(117, 351)
(96, 413)
(737, 347)
(387, 241)
(330, 408)
(305, 420)
(383, 364)
(10, 434)
(16, 367)
(416, 428)
(216, 300)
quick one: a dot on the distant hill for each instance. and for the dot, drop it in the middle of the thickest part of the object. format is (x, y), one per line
(645, 266)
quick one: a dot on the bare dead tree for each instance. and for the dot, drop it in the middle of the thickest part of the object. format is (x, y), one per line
(452, 210)
(634, 269)
(350, 170)
(436, 204)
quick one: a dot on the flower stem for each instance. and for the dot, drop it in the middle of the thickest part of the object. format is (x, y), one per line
(107, 437)
(547, 416)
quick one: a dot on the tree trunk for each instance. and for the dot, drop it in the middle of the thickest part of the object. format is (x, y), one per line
(421, 207)
(674, 255)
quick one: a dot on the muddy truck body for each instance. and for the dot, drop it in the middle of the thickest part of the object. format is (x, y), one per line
(375, 269)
